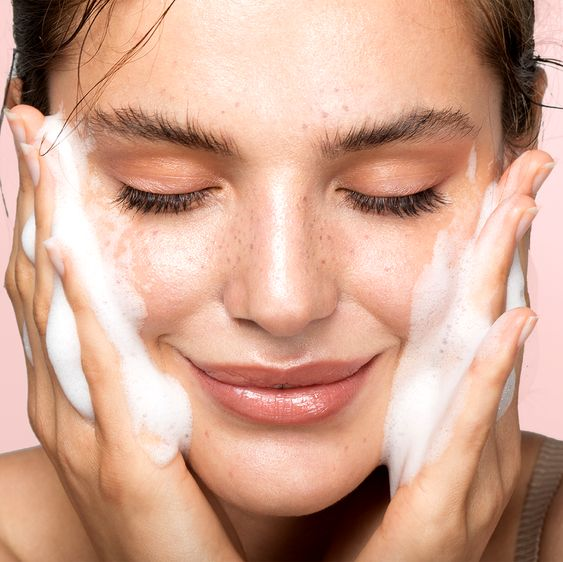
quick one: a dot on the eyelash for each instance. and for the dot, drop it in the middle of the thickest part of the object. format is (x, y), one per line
(411, 205)
(145, 202)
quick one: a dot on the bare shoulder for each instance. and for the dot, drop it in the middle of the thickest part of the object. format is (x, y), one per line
(37, 520)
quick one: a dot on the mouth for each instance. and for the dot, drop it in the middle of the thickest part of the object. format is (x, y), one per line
(285, 403)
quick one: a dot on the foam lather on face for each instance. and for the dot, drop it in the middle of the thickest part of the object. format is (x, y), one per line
(445, 331)
(159, 406)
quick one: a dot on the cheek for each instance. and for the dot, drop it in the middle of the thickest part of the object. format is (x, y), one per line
(171, 271)
(164, 262)
(384, 271)
(385, 267)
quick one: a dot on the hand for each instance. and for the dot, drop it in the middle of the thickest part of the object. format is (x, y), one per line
(450, 508)
(131, 508)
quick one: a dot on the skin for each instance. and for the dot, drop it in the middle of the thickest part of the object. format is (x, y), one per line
(275, 265)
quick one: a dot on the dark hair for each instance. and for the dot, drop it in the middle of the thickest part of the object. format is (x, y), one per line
(46, 29)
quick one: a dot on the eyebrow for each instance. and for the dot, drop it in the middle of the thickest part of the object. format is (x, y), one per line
(416, 125)
(133, 123)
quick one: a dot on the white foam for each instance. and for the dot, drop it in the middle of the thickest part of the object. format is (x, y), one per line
(445, 332)
(26, 343)
(28, 238)
(471, 172)
(159, 406)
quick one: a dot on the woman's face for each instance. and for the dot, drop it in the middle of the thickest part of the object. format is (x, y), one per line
(277, 266)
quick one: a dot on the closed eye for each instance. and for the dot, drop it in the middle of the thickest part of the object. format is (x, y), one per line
(146, 202)
(411, 205)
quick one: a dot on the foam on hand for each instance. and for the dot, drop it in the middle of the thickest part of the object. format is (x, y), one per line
(28, 238)
(158, 404)
(26, 343)
(445, 331)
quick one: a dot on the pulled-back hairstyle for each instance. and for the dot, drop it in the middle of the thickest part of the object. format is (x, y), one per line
(504, 30)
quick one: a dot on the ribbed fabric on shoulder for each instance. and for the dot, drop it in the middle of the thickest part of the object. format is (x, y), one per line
(545, 481)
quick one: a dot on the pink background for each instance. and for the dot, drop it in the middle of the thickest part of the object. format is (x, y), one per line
(541, 394)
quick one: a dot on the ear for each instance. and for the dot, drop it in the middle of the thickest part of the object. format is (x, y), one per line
(14, 92)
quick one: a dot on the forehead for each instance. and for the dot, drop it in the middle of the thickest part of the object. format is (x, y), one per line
(286, 65)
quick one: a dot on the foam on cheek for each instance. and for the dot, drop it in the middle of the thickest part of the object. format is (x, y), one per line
(159, 407)
(471, 172)
(445, 332)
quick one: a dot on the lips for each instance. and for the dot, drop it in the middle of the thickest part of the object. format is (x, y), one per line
(294, 395)
(261, 376)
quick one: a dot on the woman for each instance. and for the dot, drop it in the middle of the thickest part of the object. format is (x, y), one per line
(340, 153)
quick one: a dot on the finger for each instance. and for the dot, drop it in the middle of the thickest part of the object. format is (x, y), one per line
(495, 249)
(35, 179)
(20, 275)
(483, 384)
(497, 241)
(24, 208)
(525, 175)
(101, 362)
(43, 211)
(51, 402)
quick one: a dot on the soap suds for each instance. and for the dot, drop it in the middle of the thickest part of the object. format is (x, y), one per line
(471, 171)
(159, 406)
(28, 238)
(445, 331)
(26, 343)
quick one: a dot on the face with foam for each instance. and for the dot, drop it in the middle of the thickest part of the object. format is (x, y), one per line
(276, 265)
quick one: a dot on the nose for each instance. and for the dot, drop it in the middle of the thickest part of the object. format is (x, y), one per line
(281, 280)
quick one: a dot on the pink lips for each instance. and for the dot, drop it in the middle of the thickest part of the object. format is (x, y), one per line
(316, 390)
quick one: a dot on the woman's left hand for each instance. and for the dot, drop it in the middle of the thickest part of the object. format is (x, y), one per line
(450, 509)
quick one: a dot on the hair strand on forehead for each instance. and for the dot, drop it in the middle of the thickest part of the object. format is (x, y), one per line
(45, 30)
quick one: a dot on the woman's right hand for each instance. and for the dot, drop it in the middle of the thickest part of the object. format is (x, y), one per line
(131, 508)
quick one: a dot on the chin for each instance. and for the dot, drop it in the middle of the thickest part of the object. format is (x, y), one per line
(284, 498)
(283, 479)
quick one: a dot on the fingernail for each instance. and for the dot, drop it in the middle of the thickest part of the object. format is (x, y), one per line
(32, 161)
(17, 128)
(541, 175)
(529, 325)
(55, 255)
(525, 222)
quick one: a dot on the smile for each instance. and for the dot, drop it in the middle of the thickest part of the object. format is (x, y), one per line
(285, 403)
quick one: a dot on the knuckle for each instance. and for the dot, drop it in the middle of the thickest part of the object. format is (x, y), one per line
(40, 425)
(23, 277)
(41, 313)
(10, 282)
